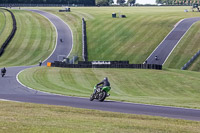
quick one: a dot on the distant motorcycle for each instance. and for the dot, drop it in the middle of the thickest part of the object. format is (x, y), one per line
(156, 57)
(101, 93)
(3, 74)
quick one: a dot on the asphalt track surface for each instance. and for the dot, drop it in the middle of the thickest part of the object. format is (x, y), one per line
(166, 47)
(11, 89)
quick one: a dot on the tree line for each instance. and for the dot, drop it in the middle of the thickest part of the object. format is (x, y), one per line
(178, 2)
(85, 2)
(97, 2)
(110, 2)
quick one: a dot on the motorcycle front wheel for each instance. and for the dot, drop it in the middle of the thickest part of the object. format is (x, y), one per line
(92, 97)
(102, 96)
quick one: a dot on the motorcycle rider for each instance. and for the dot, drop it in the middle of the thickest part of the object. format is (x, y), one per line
(3, 70)
(156, 57)
(104, 83)
(40, 63)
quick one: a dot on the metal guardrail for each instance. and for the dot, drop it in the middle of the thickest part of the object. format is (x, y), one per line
(191, 61)
(84, 41)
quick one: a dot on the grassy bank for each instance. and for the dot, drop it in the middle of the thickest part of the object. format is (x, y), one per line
(168, 87)
(56, 119)
(34, 40)
(132, 38)
(5, 25)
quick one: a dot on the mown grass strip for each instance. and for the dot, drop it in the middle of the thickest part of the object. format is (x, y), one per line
(168, 87)
(34, 40)
(6, 26)
(56, 119)
(2, 21)
(133, 38)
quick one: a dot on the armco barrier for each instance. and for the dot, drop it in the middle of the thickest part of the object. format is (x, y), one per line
(191, 61)
(84, 41)
(5, 44)
(111, 65)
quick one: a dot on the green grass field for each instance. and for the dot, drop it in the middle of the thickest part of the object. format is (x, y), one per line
(57, 119)
(34, 40)
(167, 87)
(5, 25)
(2, 20)
(132, 38)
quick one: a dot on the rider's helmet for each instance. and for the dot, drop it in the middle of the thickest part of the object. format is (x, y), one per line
(105, 79)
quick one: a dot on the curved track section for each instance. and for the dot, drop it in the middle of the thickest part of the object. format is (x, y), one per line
(167, 46)
(10, 89)
(63, 32)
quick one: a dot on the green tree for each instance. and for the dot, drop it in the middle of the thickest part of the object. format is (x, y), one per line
(85, 2)
(111, 2)
(102, 2)
(159, 1)
(131, 2)
(121, 2)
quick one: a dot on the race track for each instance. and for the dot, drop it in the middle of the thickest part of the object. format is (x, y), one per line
(10, 89)
(166, 47)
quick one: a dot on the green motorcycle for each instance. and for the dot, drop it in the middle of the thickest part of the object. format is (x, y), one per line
(101, 93)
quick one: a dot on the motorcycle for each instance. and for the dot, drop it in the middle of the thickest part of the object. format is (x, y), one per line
(3, 74)
(101, 93)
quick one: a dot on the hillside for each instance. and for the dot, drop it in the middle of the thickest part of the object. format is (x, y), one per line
(132, 38)
(34, 40)
(5, 25)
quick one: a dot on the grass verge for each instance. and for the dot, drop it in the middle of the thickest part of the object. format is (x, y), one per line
(5, 25)
(56, 119)
(168, 87)
(34, 40)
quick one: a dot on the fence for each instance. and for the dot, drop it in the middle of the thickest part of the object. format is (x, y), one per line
(106, 64)
(191, 61)
(84, 41)
(5, 44)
